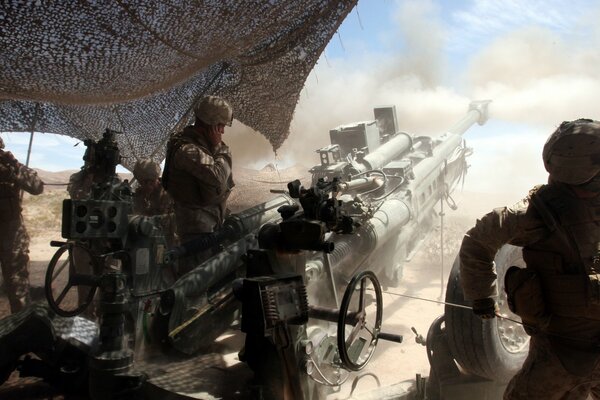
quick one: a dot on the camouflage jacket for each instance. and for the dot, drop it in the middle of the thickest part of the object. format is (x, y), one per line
(198, 178)
(15, 177)
(80, 184)
(156, 202)
(518, 225)
(560, 236)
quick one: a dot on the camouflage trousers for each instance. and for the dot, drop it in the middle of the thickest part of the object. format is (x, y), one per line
(14, 260)
(543, 377)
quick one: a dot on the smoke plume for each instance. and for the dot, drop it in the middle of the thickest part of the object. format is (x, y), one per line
(535, 75)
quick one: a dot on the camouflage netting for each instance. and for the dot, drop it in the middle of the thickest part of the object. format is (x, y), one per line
(76, 68)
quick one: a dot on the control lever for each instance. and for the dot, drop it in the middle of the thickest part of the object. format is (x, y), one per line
(391, 337)
(418, 337)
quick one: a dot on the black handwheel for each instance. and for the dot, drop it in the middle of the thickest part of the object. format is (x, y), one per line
(357, 348)
(63, 258)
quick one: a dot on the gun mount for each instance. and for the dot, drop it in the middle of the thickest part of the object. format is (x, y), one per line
(287, 261)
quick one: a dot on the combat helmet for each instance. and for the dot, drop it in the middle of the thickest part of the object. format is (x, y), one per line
(146, 169)
(572, 153)
(214, 110)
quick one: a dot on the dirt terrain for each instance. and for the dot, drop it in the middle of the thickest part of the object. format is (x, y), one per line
(424, 276)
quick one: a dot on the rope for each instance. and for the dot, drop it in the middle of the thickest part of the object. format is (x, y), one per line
(589, 342)
(429, 300)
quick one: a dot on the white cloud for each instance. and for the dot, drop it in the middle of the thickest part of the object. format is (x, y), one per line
(49, 151)
(484, 20)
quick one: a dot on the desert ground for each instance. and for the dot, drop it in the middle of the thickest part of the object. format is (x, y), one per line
(424, 276)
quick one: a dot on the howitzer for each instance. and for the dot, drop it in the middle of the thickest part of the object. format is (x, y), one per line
(356, 216)
(284, 263)
(391, 181)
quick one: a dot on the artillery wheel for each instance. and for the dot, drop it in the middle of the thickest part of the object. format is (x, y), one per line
(494, 349)
(351, 347)
(64, 257)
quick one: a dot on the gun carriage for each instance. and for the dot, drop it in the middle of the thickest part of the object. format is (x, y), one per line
(299, 274)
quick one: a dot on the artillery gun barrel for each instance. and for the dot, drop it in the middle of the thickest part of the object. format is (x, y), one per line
(478, 113)
(374, 233)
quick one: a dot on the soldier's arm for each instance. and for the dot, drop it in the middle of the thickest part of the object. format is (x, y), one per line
(518, 225)
(214, 171)
(28, 180)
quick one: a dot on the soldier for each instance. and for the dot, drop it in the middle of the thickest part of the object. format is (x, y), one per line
(558, 294)
(80, 187)
(80, 184)
(198, 174)
(14, 240)
(150, 199)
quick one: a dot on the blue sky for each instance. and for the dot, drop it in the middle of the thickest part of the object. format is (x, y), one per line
(537, 61)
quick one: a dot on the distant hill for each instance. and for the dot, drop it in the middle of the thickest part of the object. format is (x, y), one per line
(58, 180)
(252, 186)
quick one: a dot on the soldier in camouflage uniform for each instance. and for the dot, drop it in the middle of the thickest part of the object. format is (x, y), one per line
(82, 181)
(558, 294)
(150, 198)
(14, 240)
(80, 184)
(198, 174)
(80, 187)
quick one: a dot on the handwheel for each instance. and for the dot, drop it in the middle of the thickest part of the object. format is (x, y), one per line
(64, 304)
(357, 348)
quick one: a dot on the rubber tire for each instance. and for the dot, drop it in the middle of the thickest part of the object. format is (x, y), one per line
(475, 343)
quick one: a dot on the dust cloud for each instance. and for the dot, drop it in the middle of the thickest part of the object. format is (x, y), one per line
(535, 77)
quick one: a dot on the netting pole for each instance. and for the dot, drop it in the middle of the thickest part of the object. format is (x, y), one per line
(33, 124)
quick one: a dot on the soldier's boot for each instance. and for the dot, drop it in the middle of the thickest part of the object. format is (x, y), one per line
(16, 277)
(17, 292)
(17, 301)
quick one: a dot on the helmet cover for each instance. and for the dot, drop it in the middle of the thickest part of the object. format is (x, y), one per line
(572, 153)
(214, 110)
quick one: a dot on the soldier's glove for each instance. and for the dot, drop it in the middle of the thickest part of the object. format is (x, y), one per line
(485, 308)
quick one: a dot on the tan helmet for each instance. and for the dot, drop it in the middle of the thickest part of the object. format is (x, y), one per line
(572, 153)
(214, 110)
(146, 169)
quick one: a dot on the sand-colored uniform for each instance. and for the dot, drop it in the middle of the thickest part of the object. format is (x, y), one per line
(560, 236)
(14, 240)
(198, 178)
(80, 184)
(157, 203)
